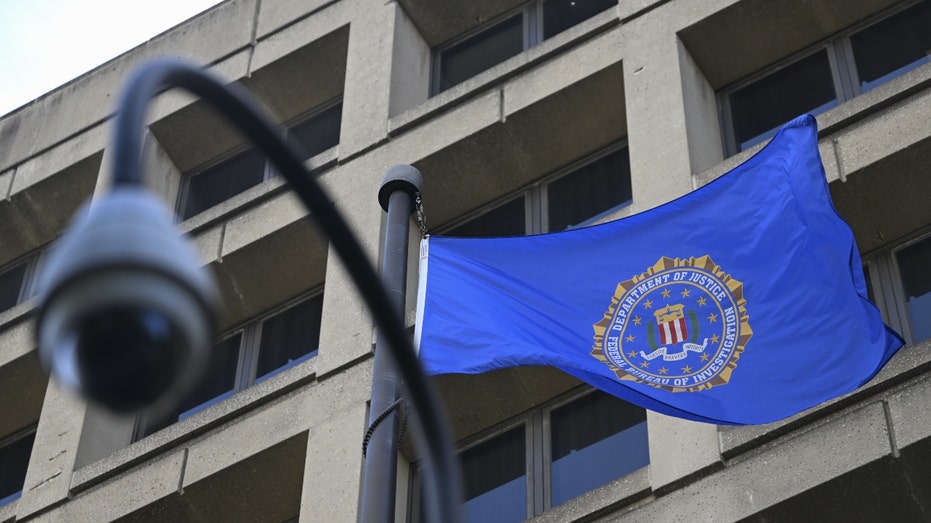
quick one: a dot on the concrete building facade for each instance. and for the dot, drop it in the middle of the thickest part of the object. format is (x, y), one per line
(523, 117)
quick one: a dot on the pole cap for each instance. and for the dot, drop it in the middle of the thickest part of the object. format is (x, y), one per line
(401, 177)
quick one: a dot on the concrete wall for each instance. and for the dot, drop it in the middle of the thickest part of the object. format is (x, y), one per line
(645, 72)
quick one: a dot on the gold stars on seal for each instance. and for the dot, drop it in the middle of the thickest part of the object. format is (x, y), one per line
(637, 320)
(702, 301)
(665, 293)
(632, 354)
(630, 337)
(704, 357)
(712, 318)
(648, 304)
(714, 338)
(663, 370)
(645, 364)
(686, 369)
(686, 293)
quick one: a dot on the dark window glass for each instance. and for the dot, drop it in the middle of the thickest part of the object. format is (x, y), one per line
(480, 52)
(11, 283)
(495, 474)
(216, 384)
(505, 220)
(559, 15)
(893, 46)
(595, 439)
(914, 261)
(290, 337)
(319, 132)
(14, 460)
(222, 181)
(758, 109)
(589, 191)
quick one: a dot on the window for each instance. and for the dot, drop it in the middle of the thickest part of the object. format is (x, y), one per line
(549, 456)
(912, 262)
(575, 196)
(16, 282)
(900, 285)
(508, 36)
(847, 65)
(248, 356)
(15, 452)
(244, 168)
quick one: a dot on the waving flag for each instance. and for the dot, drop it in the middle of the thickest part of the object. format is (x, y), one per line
(741, 302)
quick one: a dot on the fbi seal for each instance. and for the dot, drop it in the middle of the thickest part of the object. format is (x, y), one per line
(680, 326)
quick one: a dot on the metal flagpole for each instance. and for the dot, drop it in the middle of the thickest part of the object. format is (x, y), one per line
(399, 189)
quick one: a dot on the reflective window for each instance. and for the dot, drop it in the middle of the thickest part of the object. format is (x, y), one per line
(250, 355)
(848, 64)
(588, 192)
(559, 15)
(217, 182)
(480, 52)
(495, 477)
(319, 132)
(893, 46)
(595, 439)
(502, 39)
(11, 285)
(290, 337)
(508, 219)
(577, 446)
(222, 181)
(574, 196)
(15, 452)
(759, 109)
(913, 262)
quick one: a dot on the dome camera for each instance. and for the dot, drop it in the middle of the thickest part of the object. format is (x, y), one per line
(126, 315)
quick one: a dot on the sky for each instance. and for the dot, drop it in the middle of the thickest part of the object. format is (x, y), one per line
(46, 43)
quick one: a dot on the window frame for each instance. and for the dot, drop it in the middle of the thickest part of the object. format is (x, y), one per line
(538, 453)
(9, 440)
(28, 284)
(886, 280)
(436, 58)
(536, 198)
(247, 358)
(269, 172)
(533, 35)
(842, 63)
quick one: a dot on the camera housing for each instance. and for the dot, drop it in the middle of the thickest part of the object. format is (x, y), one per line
(127, 315)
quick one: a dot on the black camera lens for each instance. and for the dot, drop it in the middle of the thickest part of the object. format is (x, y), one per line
(128, 356)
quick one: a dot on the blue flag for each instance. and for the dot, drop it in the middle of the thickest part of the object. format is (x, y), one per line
(741, 302)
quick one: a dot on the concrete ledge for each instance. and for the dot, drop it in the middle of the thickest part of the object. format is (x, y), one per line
(905, 365)
(156, 479)
(909, 413)
(851, 123)
(792, 466)
(624, 491)
(573, 38)
(256, 398)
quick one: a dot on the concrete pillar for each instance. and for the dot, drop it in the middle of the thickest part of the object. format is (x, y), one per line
(368, 78)
(670, 111)
(332, 468)
(52, 462)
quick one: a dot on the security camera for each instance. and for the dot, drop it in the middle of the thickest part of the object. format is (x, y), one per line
(126, 315)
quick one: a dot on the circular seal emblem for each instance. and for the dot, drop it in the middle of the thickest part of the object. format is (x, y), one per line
(680, 326)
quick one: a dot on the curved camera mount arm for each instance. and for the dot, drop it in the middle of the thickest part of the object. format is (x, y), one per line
(235, 104)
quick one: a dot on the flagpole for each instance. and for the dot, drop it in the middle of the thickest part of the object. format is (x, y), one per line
(397, 194)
